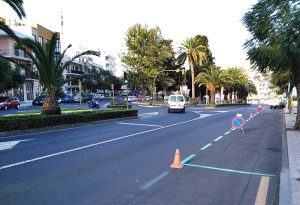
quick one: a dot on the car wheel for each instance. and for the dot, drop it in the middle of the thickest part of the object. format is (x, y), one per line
(183, 111)
(18, 106)
(169, 111)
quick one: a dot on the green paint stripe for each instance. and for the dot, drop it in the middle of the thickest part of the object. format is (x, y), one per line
(231, 170)
(206, 146)
(188, 158)
(217, 139)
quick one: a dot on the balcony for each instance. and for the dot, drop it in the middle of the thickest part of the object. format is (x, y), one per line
(15, 54)
(74, 72)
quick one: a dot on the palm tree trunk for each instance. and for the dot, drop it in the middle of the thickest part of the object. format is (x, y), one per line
(50, 106)
(212, 95)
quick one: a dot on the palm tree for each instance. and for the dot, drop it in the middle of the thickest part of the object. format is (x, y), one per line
(17, 6)
(238, 78)
(213, 77)
(50, 67)
(192, 51)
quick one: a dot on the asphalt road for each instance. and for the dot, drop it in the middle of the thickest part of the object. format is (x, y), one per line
(128, 161)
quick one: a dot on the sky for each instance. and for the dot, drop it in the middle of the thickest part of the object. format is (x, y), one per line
(102, 24)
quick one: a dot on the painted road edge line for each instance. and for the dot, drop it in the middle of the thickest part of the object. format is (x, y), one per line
(231, 170)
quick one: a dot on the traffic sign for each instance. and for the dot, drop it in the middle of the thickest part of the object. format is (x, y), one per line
(259, 109)
(238, 122)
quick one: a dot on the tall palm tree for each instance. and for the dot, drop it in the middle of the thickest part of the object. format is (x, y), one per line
(50, 66)
(192, 51)
(213, 77)
(17, 6)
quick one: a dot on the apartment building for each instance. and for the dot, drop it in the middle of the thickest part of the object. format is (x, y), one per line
(32, 87)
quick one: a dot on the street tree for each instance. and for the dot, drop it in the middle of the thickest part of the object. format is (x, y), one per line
(275, 39)
(50, 66)
(212, 77)
(9, 77)
(193, 52)
(146, 55)
(237, 78)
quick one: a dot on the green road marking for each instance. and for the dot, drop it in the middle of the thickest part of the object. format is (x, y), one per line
(217, 139)
(231, 170)
(204, 147)
(188, 158)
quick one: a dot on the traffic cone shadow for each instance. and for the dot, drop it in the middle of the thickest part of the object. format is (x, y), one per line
(177, 162)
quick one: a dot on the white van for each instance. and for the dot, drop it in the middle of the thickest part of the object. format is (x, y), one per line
(176, 103)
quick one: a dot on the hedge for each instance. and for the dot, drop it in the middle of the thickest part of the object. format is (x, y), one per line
(17, 122)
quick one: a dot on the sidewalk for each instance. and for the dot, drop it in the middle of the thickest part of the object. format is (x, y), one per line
(290, 173)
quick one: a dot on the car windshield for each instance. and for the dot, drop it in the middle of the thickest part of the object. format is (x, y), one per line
(172, 98)
(3, 99)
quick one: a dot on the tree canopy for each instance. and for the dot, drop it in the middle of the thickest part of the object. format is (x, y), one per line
(275, 39)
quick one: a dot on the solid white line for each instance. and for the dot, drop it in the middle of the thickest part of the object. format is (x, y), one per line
(125, 123)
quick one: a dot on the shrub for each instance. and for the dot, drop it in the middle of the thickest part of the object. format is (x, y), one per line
(11, 123)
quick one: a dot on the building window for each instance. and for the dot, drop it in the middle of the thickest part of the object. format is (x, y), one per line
(41, 40)
(57, 47)
(34, 37)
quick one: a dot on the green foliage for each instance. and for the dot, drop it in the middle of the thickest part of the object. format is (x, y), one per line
(12, 123)
(9, 77)
(193, 52)
(147, 54)
(17, 6)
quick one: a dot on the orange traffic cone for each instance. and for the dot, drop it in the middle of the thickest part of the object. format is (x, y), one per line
(251, 116)
(177, 162)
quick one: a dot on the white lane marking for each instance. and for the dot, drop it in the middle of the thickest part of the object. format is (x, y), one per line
(205, 115)
(125, 123)
(10, 144)
(146, 115)
(155, 180)
(92, 145)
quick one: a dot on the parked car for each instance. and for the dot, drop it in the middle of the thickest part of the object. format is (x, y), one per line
(67, 98)
(91, 97)
(98, 96)
(9, 102)
(39, 100)
(78, 96)
(176, 103)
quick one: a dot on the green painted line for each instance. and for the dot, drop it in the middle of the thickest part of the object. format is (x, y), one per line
(204, 147)
(217, 139)
(231, 170)
(188, 158)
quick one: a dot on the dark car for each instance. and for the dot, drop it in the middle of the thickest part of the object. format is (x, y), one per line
(90, 97)
(39, 100)
(67, 98)
(9, 102)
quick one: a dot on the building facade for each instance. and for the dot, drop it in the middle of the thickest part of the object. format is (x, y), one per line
(74, 74)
